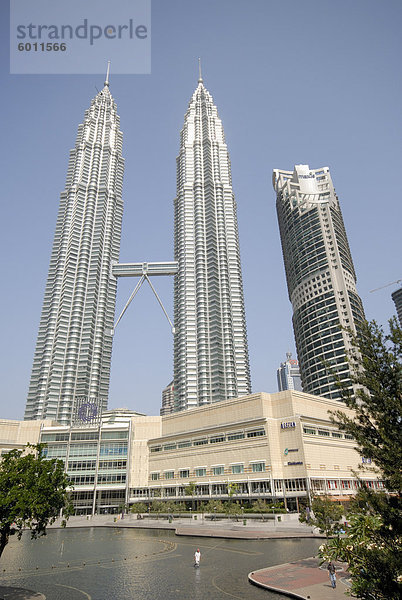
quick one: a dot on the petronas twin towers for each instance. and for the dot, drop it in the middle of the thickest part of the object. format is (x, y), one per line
(73, 352)
(210, 348)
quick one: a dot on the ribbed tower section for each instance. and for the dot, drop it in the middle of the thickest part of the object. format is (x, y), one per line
(210, 345)
(320, 276)
(74, 346)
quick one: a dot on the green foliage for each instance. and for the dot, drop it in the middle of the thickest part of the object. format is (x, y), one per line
(33, 491)
(372, 548)
(170, 506)
(376, 365)
(372, 545)
(214, 506)
(157, 506)
(326, 515)
(233, 509)
(139, 508)
(232, 489)
(261, 506)
(189, 490)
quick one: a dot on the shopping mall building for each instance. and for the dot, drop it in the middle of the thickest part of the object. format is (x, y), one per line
(279, 447)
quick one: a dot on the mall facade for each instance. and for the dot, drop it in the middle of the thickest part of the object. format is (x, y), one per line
(280, 447)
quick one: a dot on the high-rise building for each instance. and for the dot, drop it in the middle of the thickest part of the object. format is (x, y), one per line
(167, 399)
(210, 344)
(397, 298)
(288, 375)
(74, 346)
(320, 276)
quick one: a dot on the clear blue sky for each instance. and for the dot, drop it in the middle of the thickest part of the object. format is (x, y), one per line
(316, 82)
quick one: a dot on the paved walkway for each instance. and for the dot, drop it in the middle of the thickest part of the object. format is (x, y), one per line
(302, 579)
(221, 528)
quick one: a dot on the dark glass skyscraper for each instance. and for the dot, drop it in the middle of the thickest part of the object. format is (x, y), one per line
(320, 275)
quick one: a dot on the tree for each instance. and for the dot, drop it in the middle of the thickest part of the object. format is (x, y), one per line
(213, 507)
(170, 507)
(373, 542)
(190, 491)
(372, 547)
(233, 509)
(139, 508)
(376, 366)
(261, 506)
(326, 515)
(33, 492)
(157, 506)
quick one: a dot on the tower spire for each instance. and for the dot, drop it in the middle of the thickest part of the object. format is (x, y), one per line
(107, 73)
(200, 80)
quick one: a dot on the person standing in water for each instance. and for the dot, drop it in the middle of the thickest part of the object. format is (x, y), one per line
(197, 558)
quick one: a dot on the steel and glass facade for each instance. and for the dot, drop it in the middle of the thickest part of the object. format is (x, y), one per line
(96, 459)
(320, 276)
(74, 346)
(210, 344)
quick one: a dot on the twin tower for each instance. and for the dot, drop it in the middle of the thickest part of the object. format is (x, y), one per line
(74, 346)
(71, 369)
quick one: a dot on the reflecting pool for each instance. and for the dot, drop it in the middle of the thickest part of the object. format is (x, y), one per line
(100, 563)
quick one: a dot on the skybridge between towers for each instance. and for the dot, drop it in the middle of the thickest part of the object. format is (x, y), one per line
(144, 271)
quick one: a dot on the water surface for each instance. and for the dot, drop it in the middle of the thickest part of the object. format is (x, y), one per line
(99, 563)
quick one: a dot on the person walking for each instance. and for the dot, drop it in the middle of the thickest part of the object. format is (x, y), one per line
(332, 574)
(197, 557)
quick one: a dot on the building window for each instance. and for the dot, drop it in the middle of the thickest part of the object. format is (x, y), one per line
(112, 478)
(113, 449)
(239, 435)
(200, 472)
(323, 432)
(84, 450)
(154, 476)
(309, 431)
(184, 473)
(201, 442)
(114, 435)
(169, 474)
(255, 433)
(220, 470)
(216, 439)
(260, 487)
(184, 444)
(156, 448)
(238, 468)
(54, 437)
(258, 467)
(85, 435)
(169, 447)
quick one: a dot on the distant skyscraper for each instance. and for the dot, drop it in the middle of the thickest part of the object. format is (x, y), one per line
(288, 375)
(73, 352)
(397, 298)
(167, 399)
(320, 275)
(210, 345)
